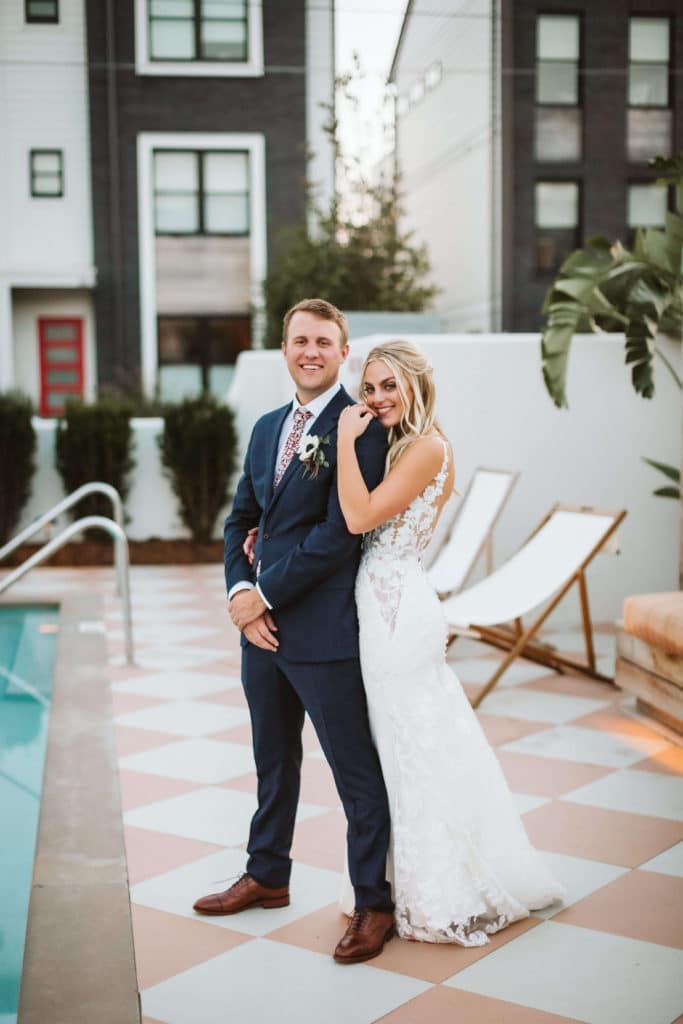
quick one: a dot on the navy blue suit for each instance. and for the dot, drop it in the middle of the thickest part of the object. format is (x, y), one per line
(307, 563)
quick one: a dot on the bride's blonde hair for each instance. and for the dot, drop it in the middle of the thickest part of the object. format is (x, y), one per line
(412, 373)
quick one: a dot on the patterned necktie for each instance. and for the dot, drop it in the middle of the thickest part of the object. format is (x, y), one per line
(301, 417)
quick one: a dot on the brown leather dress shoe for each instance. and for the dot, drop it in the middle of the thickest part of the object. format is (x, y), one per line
(245, 893)
(365, 937)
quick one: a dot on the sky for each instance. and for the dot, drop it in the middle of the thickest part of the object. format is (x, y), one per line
(371, 28)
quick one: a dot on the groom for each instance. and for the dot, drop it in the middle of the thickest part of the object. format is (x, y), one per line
(297, 616)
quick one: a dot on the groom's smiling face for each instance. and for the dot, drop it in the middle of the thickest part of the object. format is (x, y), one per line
(314, 352)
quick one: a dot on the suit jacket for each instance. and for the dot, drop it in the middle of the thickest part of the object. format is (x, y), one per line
(306, 558)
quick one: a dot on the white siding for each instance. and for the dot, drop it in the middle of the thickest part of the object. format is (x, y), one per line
(43, 105)
(444, 147)
(320, 71)
(31, 303)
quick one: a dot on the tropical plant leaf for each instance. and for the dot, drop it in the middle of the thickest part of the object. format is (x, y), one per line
(667, 492)
(607, 287)
(672, 472)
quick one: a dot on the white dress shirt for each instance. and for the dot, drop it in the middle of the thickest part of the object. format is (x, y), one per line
(315, 407)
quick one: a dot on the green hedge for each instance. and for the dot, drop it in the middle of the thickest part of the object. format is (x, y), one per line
(94, 442)
(17, 459)
(198, 452)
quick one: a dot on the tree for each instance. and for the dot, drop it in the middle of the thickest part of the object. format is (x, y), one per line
(357, 255)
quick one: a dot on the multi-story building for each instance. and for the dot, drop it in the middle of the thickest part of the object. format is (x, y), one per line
(165, 141)
(47, 272)
(524, 127)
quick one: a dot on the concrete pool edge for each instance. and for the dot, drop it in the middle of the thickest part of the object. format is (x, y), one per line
(79, 962)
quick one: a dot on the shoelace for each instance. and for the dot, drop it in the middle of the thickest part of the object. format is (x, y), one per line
(358, 919)
(219, 881)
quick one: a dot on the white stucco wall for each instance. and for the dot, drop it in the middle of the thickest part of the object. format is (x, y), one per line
(151, 506)
(494, 407)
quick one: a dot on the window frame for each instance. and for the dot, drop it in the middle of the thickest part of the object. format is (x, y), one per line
(669, 64)
(200, 156)
(40, 19)
(202, 320)
(197, 24)
(252, 67)
(670, 207)
(579, 61)
(540, 105)
(32, 153)
(545, 272)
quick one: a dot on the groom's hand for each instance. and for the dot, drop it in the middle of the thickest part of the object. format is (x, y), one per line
(261, 632)
(245, 607)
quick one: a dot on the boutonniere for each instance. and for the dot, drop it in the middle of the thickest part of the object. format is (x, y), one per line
(311, 453)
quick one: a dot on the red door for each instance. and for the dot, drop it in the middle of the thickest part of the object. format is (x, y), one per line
(61, 362)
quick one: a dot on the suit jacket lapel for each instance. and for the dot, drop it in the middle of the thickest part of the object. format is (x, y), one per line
(320, 426)
(272, 458)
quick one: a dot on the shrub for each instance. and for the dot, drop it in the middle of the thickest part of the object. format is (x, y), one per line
(198, 452)
(17, 464)
(95, 443)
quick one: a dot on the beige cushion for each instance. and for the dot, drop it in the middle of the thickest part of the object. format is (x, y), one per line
(657, 619)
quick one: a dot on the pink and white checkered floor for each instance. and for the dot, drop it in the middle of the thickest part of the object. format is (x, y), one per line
(601, 793)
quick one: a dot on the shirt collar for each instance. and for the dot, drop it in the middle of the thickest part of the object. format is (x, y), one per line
(316, 406)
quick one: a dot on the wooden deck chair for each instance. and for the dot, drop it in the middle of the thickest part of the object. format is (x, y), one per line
(471, 534)
(552, 560)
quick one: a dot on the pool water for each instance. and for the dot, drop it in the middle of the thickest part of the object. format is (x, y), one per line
(27, 648)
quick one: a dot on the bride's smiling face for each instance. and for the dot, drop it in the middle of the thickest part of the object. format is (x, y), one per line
(380, 392)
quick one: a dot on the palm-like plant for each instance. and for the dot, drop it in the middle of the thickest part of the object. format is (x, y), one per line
(607, 287)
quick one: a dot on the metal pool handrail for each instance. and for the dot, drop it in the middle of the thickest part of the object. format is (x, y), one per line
(121, 547)
(71, 499)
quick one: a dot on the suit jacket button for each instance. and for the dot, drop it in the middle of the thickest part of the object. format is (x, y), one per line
(266, 536)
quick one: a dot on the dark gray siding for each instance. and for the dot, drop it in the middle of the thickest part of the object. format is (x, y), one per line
(123, 104)
(604, 171)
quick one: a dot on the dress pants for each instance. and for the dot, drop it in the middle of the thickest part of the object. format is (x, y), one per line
(278, 692)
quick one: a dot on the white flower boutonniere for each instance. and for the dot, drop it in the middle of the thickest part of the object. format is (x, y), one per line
(311, 453)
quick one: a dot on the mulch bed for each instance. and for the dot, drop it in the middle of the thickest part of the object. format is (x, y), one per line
(142, 552)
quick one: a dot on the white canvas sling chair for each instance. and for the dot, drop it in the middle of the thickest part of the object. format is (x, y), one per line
(554, 557)
(471, 533)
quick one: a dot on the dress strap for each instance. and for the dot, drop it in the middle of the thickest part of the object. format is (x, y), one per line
(444, 464)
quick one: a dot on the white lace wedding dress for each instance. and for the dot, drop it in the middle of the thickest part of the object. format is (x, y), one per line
(460, 863)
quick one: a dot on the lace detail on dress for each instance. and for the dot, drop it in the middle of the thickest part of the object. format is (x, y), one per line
(405, 536)
(461, 864)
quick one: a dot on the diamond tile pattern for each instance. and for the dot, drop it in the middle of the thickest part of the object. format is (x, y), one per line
(600, 790)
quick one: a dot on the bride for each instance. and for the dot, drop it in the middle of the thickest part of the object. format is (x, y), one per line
(463, 867)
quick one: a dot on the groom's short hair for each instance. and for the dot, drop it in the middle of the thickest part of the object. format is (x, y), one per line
(322, 308)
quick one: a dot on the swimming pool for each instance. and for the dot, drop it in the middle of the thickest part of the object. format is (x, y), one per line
(27, 649)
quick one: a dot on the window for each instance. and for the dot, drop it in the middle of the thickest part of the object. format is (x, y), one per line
(647, 206)
(209, 343)
(648, 70)
(61, 362)
(215, 30)
(557, 60)
(556, 214)
(38, 12)
(649, 116)
(46, 173)
(558, 115)
(205, 193)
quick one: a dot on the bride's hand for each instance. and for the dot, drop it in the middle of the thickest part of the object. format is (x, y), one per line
(250, 544)
(354, 421)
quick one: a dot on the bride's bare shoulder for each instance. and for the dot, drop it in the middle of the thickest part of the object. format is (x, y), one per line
(426, 451)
